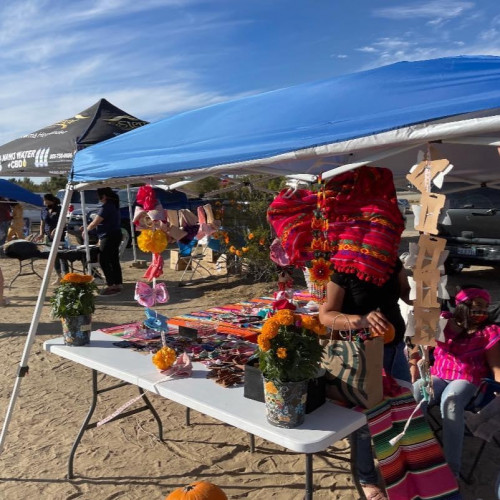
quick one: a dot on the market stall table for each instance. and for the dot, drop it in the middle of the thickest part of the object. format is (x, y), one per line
(322, 428)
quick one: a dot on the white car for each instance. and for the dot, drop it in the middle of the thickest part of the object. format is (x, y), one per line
(91, 201)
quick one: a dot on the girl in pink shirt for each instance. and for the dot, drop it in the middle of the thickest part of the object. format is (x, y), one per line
(470, 351)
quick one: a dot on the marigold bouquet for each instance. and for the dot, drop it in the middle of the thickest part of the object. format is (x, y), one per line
(74, 296)
(289, 348)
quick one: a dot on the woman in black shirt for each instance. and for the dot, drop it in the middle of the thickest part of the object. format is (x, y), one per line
(362, 305)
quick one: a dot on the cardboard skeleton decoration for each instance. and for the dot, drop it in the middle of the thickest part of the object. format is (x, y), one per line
(426, 259)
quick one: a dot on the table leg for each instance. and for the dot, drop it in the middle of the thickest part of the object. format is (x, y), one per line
(155, 415)
(309, 478)
(84, 425)
(252, 443)
(188, 416)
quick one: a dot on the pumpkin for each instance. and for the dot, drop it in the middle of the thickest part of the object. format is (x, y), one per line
(199, 490)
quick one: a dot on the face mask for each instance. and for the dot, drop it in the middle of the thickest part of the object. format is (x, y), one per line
(479, 317)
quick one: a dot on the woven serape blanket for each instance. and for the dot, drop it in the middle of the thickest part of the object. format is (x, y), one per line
(414, 468)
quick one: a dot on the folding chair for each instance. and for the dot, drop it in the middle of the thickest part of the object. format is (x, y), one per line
(192, 255)
(26, 252)
(485, 394)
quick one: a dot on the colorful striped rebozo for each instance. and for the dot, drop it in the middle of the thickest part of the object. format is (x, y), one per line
(364, 223)
(415, 467)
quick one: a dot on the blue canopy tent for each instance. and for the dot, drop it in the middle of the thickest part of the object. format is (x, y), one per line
(383, 116)
(343, 122)
(14, 192)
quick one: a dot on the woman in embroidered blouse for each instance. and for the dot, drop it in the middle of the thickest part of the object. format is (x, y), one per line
(470, 351)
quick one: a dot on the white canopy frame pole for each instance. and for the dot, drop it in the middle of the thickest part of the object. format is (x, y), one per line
(23, 364)
(85, 232)
(132, 228)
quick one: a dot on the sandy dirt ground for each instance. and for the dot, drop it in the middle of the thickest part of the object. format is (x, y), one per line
(124, 460)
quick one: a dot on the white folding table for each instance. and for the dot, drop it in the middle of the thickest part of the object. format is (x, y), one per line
(323, 427)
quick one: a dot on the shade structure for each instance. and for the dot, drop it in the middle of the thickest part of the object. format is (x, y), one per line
(318, 126)
(14, 192)
(50, 150)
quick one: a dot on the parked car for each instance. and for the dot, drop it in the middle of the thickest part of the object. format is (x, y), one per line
(471, 227)
(75, 206)
(32, 216)
(403, 202)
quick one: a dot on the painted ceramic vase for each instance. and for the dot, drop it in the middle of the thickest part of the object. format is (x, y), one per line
(285, 402)
(76, 329)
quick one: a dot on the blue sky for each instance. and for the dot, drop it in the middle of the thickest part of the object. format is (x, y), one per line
(154, 58)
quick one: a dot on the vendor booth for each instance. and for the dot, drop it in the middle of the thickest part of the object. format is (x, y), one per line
(393, 116)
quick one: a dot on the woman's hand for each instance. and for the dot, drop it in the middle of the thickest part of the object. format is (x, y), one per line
(414, 373)
(376, 322)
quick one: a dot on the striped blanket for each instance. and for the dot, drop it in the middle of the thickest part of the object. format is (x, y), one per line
(414, 468)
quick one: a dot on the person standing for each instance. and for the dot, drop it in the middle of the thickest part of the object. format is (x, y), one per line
(48, 223)
(16, 229)
(108, 225)
(5, 218)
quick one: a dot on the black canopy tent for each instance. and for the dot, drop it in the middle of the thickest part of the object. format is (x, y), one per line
(50, 150)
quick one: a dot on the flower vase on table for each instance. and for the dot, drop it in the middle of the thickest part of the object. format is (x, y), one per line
(289, 356)
(76, 329)
(73, 302)
(285, 402)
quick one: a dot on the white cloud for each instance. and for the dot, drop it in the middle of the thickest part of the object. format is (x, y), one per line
(433, 10)
(491, 34)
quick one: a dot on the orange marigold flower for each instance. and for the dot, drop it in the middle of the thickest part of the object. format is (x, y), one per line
(239, 253)
(285, 317)
(281, 352)
(270, 388)
(232, 249)
(264, 343)
(226, 240)
(251, 236)
(270, 329)
(164, 358)
(308, 322)
(320, 329)
(245, 249)
(262, 242)
(76, 278)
